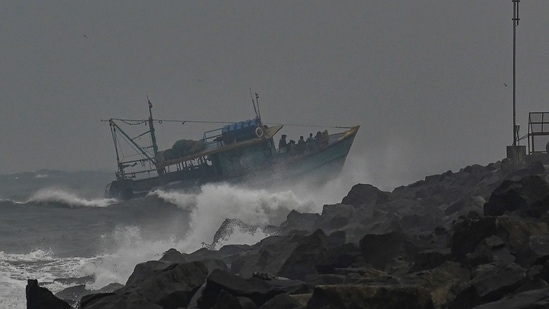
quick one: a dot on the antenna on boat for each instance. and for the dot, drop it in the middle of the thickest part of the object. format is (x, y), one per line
(151, 126)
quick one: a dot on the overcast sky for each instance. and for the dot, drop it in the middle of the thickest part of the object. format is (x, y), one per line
(426, 80)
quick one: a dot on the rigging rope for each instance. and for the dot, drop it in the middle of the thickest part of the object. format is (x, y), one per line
(160, 121)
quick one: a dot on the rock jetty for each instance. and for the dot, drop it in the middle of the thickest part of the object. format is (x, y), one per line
(476, 238)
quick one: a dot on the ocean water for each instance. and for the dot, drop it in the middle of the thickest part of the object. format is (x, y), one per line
(57, 225)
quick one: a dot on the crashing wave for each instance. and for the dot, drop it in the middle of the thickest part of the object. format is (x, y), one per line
(68, 198)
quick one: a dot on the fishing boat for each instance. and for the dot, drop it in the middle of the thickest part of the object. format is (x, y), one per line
(242, 152)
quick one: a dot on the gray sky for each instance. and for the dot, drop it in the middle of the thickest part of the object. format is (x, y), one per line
(425, 79)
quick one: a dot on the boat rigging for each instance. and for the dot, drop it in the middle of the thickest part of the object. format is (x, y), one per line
(239, 152)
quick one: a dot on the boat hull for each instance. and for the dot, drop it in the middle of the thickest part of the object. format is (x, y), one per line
(314, 167)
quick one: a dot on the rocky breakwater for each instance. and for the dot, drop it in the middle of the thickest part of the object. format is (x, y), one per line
(477, 238)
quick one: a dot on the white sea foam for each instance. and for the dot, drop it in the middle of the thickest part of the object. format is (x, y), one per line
(127, 246)
(124, 248)
(182, 200)
(69, 198)
(42, 265)
(218, 202)
(242, 236)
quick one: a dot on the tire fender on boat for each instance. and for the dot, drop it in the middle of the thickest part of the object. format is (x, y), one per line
(259, 132)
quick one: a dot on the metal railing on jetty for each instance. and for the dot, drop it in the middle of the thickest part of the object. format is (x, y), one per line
(538, 133)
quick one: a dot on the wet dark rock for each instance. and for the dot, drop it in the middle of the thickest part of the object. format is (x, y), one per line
(213, 264)
(73, 294)
(525, 195)
(516, 231)
(383, 250)
(289, 286)
(466, 204)
(246, 303)
(87, 301)
(296, 221)
(206, 252)
(338, 216)
(339, 257)
(365, 194)
(532, 284)
(533, 168)
(267, 256)
(367, 275)
(327, 279)
(440, 281)
(259, 291)
(172, 255)
(309, 252)
(226, 300)
(418, 222)
(230, 250)
(491, 249)
(429, 259)
(368, 296)
(114, 301)
(156, 287)
(142, 271)
(492, 282)
(467, 233)
(535, 251)
(171, 287)
(42, 298)
(336, 239)
(533, 299)
(282, 301)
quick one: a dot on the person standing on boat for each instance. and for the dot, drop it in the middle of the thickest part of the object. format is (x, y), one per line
(324, 139)
(310, 142)
(282, 144)
(301, 145)
(318, 137)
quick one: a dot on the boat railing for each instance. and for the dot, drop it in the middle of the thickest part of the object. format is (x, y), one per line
(135, 174)
(209, 137)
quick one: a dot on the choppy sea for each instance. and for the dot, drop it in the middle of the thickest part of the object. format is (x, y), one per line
(57, 227)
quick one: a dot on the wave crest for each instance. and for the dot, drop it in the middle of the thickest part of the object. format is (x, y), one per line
(49, 195)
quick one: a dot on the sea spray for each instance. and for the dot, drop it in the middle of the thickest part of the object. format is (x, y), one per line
(217, 202)
(183, 200)
(124, 248)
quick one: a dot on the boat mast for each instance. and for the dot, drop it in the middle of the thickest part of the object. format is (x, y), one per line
(113, 127)
(151, 126)
(257, 101)
(256, 110)
(515, 24)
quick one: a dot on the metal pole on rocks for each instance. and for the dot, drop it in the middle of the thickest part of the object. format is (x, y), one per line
(516, 20)
(515, 153)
